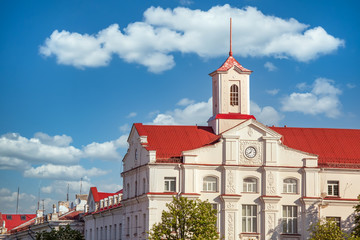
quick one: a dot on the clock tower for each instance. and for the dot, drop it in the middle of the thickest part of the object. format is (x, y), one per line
(231, 94)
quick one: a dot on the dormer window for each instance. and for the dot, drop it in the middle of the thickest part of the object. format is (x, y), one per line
(234, 95)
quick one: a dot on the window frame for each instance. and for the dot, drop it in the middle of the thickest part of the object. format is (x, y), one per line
(335, 186)
(337, 220)
(249, 223)
(291, 186)
(209, 185)
(288, 219)
(234, 95)
(168, 186)
(247, 185)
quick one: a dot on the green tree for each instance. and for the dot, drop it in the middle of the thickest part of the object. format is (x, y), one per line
(356, 230)
(186, 219)
(326, 230)
(64, 233)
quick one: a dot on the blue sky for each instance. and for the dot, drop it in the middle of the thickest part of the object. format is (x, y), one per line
(75, 75)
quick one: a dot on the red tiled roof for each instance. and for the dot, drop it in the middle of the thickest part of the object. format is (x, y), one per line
(101, 195)
(16, 220)
(335, 147)
(230, 62)
(170, 141)
(75, 215)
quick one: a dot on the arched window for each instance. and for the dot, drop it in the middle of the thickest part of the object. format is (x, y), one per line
(290, 185)
(250, 185)
(234, 95)
(210, 184)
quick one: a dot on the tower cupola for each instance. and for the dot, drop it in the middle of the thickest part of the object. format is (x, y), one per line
(230, 93)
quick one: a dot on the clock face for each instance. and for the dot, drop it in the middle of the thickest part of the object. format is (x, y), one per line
(250, 152)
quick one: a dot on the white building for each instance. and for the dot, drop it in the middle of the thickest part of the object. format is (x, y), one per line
(265, 182)
(103, 217)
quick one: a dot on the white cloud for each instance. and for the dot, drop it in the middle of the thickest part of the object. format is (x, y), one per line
(273, 91)
(50, 171)
(163, 32)
(60, 187)
(57, 140)
(131, 115)
(12, 163)
(106, 150)
(302, 86)
(195, 113)
(322, 99)
(266, 115)
(124, 128)
(185, 102)
(8, 199)
(270, 66)
(350, 85)
(32, 150)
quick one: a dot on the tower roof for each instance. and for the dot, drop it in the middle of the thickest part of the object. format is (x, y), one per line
(229, 63)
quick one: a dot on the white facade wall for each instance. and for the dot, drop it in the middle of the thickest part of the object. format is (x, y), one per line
(226, 162)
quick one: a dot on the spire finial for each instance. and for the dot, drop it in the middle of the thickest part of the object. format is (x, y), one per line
(230, 53)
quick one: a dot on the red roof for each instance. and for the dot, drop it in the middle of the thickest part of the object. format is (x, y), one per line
(101, 195)
(234, 116)
(14, 220)
(335, 147)
(74, 215)
(229, 63)
(170, 141)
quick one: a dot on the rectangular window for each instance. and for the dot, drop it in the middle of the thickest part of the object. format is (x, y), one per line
(290, 220)
(333, 188)
(170, 184)
(250, 185)
(249, 218)
(115, 231)
(337, 220)
(210, 184)
(8, 217)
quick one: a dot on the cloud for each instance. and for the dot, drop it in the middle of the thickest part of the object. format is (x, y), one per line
(270, 66)
(50, 171)
(57, 140)
(125, 128)
(112, 188)
(163, 32)
(8, 199)
(350, 85)
(60, 187)
(33, 150)
(106, 150)
(273, 91)
(195, 113)
(131, 115)
(185, 102)
(266, 115)
(322, 99)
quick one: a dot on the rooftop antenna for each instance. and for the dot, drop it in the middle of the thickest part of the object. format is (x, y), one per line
(80, 184)
(39, 199)
(67, 194)
(17, 201)
(230, 53)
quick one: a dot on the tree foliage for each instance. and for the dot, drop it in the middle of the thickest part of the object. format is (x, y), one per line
(186, 219)
(356, 230)
(64, 233)
(327, 229)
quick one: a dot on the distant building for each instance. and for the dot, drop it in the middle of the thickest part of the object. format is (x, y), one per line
(103, 217)
(66, 215)
(11, 221)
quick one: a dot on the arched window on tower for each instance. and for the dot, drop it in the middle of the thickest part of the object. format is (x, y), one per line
(234, 95)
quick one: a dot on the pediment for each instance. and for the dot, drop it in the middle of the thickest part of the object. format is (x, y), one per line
(250, 130)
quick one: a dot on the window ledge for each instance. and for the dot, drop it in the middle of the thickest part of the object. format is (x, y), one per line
(290, 234)
(290, 193)
(251, 192)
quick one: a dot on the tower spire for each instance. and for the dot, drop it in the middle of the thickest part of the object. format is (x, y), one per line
(230, 53)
